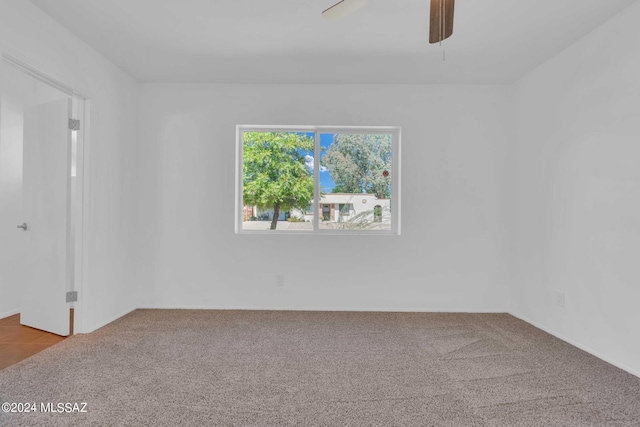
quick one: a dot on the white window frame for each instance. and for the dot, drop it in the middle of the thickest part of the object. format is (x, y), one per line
(394, 131)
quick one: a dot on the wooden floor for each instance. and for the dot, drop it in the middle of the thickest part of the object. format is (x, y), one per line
(18, 342)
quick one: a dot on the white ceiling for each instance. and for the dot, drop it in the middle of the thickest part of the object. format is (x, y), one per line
(287, 41)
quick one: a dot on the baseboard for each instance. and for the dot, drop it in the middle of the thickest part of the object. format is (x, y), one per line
(9, 313)
(260, 308)
(113, 319)
(358, 309)
(580, 346)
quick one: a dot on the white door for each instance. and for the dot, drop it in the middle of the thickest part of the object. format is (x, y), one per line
(46, 183)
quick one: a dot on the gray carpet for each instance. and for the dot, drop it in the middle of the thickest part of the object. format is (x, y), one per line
(264, 368)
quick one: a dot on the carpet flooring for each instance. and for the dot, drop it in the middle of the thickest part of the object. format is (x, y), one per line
(271, 368)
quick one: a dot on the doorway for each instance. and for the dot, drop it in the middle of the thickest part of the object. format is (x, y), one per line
(326, 212)
(41, 169)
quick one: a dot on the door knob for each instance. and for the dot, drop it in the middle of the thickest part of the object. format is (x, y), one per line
(23, 226)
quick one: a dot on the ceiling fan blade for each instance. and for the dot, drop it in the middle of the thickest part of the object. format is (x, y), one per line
(342, 9)
(441, 21)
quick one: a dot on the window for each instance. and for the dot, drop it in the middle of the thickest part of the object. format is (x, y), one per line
(316, 179)
(346, 209)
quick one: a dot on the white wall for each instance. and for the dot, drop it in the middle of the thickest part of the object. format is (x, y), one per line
(578, 169)
(452, 251)
(110, 276)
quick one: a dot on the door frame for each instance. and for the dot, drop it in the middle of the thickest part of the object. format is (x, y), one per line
(81, 107)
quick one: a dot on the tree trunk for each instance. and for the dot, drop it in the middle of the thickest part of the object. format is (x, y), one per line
(276, 214)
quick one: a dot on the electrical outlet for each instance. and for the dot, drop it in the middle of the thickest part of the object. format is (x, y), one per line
(279, 279)
(560, 299)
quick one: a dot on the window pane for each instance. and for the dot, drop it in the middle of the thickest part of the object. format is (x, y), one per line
(356, 181)
(277, 181)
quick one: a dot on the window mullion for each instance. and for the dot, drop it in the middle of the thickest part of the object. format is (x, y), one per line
(316, 180)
